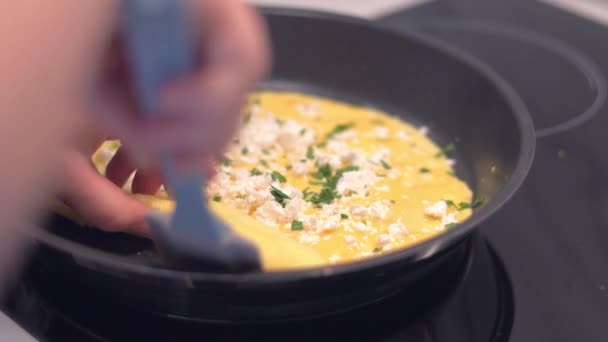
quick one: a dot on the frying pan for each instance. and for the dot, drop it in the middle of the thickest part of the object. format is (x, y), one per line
(409, 75)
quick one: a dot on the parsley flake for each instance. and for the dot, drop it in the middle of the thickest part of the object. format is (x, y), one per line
(450, 225)
(449, 148)
(343, 216)
(302, 131)
(276, 176)
(377, 249)
(424, 170)
(244, 150)
(337, 130)
(385, 165)
(297, 225)
(264, 163)
(478, 202)
(217, 198)
(279, 195)
(255, 172)
(225, 161)
(310, 153)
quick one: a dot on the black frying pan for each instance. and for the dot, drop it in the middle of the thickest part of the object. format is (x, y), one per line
(410, 75)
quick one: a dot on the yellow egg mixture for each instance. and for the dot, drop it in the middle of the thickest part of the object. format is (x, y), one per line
(348, 182)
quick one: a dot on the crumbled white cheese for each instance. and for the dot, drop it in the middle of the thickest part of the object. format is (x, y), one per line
(356, 181)
(403, 135)
(350, 240)
(345, 135)
(330, 223)
(381, 132)
(383, 188)
(329, 158)
(300, 168)
(310, 110)
(362, 227)
(437, 209)
(383, 239)
(271, 213)
(379, 210)
(309, 238)
(359, 211)
(334, 258)
(397, 229)
(449, 218)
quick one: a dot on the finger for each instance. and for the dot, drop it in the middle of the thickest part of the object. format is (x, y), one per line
(100, 202)
(147, 182)
(120, 168)
(235, 55)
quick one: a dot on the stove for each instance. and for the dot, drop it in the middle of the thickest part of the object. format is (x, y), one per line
(537, 271)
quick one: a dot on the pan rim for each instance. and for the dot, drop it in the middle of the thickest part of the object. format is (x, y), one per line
(423, 250)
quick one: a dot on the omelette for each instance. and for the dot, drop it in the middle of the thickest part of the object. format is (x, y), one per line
(346, 182)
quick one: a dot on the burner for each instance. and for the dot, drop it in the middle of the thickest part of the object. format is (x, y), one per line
(479, 309)
(537, 67)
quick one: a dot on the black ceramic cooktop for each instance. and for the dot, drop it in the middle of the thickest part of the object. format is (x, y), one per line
(553, 235)
(538, 271)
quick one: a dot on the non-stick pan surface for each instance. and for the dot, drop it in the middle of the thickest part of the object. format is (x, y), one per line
(410, 75)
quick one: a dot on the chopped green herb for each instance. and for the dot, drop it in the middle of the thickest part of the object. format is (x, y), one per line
(310, 153)
(326, 195)
(463, 205)
(450, 203)
(240, 196)
(478, 202)
(302, 160)
(297, 225)
(424, 170)
(244, 150)
(257, 101)
(392, 201)
(264, 163)
(450, 225)
(276, 176)
(302, 131)
(217, 198)
(288, 167)
(247, 117)
(377, 249)
(316, 183)
(381, 175)
(265, 152)
(336, 130)
(279, 195)
(323, 172)
(449, 148)
(344, 216)
(451, 174)
(377, 122)
(226, 161)
(385, 165)
(255, 172)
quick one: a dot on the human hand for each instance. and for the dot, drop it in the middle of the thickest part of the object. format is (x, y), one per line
(203, 110)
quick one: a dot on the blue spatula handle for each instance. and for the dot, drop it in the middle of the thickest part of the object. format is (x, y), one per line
(161, 45)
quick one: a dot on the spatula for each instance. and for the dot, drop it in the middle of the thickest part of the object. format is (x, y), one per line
(161, 45)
